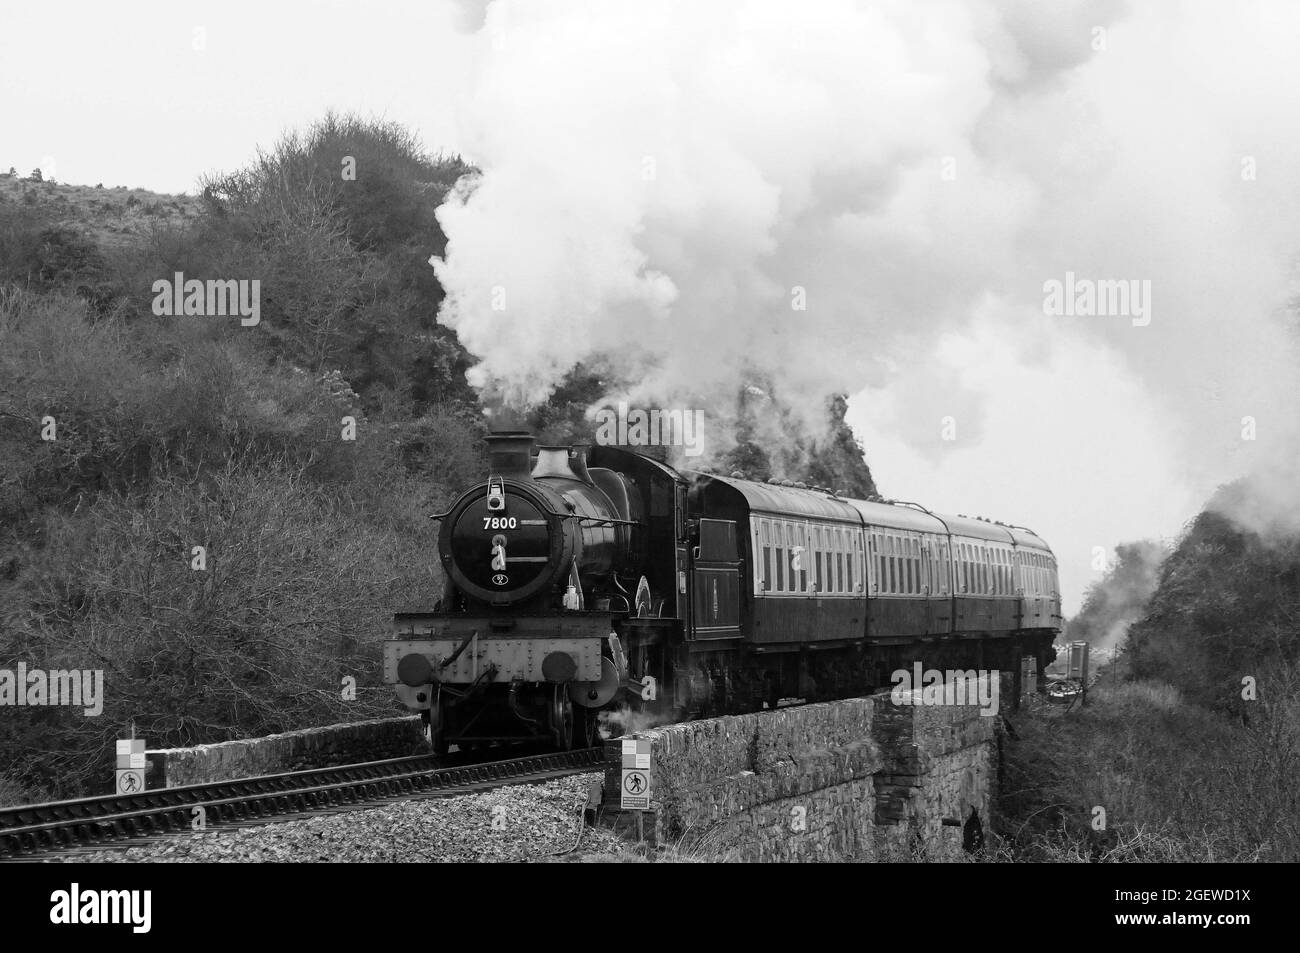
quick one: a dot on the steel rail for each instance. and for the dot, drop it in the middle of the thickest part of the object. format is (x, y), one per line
(37, 828)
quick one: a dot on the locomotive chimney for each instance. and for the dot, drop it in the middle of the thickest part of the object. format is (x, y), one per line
(509, 454)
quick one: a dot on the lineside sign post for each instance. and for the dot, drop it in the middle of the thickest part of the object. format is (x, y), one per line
(131, 765)
(635, 792)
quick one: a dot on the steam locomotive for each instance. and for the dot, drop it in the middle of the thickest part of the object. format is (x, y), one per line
(599, 578)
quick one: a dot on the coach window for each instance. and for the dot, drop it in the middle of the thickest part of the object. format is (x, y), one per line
(765, 545)
(878, 564)
(792, 543)
(835, 538)
(836, 552)
(837, 575)
(878, 557)
(832, 547)
(832, 540)
(873, 554)
(800, 576)
(818, 546)
(778, 546)
(850, 541)
(904, 565)
(882, 560)
(882, 564)
(896, 582)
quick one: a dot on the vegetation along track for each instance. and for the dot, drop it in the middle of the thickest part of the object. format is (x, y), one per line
(118, 820)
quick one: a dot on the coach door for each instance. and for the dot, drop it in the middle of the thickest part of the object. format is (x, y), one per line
(938, 593)
(715, 577)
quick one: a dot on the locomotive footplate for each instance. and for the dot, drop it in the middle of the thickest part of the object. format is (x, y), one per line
(460, 649)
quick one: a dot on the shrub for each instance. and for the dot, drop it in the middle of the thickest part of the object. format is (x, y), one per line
(298, 585)
(1177, 781)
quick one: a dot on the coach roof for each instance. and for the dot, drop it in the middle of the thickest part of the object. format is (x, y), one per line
(775, 500)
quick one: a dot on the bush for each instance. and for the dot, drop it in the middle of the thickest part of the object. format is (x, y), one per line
(1177, 781)
(37, 251)
(1225, 608)
(297, 588)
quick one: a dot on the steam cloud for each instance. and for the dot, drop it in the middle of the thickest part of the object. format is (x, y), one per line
(660, 180)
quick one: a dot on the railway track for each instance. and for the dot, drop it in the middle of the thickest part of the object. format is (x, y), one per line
(119, 821)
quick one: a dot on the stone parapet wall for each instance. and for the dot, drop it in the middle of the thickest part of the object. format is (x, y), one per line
(859, 779)
(322, 747)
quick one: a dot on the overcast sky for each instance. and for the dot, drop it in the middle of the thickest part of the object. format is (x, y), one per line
(920, 169)
(156, 94)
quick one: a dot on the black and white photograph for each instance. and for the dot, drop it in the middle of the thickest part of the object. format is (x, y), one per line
(746, 432)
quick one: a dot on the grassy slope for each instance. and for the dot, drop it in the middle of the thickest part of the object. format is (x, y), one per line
(1176, 782)
(110, 217)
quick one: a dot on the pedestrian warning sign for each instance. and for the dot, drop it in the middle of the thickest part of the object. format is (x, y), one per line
(635, 793)
(130, 781)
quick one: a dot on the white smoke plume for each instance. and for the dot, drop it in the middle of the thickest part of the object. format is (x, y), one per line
(664, 184)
